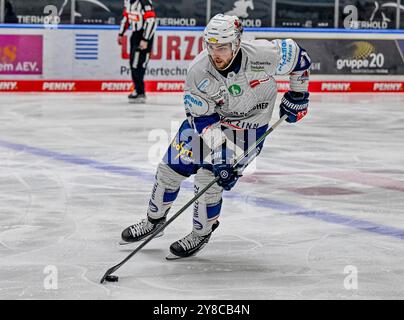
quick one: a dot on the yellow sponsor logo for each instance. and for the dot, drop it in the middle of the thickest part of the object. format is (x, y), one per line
(181, 150)
(362, 49)
(213, 40)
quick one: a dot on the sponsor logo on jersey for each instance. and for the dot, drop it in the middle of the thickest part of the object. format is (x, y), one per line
(238, 124)
(286, 57)
(258, 66)
(261, 106)
(220, 96)
(254, 83)
(198, 105)
(191, 100)
(182, 151)
(235, 90)
(203, 84)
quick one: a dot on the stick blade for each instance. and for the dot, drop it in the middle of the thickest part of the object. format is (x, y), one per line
(109, 271)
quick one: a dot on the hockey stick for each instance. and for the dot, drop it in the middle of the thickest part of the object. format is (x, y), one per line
(190, 202)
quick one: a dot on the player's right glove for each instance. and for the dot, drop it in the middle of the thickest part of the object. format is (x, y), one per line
(295, 105)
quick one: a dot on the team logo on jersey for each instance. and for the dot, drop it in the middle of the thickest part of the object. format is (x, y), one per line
(235, 90)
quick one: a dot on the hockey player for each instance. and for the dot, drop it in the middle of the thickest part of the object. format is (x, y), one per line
(229, 97)
(140, 15)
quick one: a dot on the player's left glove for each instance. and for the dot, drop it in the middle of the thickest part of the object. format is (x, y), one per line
(228, 176)
(295, 105)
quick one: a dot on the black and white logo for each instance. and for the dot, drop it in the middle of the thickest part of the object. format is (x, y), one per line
(240, 8)
(77, 14)
(224, 174)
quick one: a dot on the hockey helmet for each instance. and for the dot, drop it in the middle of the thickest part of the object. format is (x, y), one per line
(224, 29)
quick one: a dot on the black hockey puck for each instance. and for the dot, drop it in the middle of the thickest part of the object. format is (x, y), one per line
(111, 278)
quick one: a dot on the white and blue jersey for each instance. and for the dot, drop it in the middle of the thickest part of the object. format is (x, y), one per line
(240, 102)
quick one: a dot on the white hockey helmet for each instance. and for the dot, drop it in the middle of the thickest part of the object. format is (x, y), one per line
(224, 29)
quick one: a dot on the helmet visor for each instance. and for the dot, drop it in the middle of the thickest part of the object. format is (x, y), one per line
(219, 48)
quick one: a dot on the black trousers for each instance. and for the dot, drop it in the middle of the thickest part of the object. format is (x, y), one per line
(139, 60)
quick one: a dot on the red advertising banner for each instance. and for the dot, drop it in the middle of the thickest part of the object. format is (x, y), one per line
(178, 86)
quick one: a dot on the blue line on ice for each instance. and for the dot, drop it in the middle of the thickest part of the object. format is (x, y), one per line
(256, 201)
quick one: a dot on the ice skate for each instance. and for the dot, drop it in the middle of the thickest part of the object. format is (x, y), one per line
(134, 97)
(190, 245)
(141, 230)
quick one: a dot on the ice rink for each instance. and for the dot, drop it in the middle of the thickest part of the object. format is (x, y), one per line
(323, 208)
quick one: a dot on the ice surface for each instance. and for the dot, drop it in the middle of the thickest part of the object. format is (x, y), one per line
(326, 193)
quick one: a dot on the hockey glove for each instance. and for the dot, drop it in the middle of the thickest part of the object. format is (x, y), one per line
(295, 105)
(228, 176)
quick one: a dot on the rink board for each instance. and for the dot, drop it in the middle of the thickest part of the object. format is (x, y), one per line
(178, 86)
(88, 59)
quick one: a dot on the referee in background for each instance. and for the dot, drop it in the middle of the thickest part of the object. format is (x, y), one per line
(140, 15)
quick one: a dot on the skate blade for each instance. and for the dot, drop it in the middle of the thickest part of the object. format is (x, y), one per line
(171, 257)
(124, 243)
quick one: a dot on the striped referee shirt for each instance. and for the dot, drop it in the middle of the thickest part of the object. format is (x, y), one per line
(141, 16)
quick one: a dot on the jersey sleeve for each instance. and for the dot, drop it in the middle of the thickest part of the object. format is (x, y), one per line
(149, 18)
(294, 61)
(125, 19)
